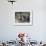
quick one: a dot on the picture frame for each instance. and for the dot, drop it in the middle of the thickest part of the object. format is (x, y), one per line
(22, 18)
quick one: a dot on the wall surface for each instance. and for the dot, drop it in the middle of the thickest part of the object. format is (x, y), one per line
(37, 30)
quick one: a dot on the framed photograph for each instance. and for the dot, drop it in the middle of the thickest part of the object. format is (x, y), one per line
(23, 17)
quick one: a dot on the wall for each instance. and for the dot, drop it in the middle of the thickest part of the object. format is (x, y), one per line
(37, 30)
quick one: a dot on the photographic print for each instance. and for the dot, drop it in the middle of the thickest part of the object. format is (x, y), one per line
(23, 18)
